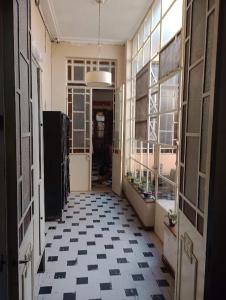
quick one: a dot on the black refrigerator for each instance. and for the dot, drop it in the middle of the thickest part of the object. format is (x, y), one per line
(56, 162)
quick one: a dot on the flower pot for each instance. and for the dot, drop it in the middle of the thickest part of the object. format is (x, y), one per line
(171, 223)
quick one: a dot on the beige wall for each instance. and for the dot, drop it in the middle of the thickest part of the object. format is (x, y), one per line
(42, 41)
(61, 51)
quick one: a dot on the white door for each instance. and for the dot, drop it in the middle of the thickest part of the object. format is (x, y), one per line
(38, 174)
(118, 140)
(80, 114)
(195, 149)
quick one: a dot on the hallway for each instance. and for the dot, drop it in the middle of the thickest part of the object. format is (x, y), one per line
(100, 251)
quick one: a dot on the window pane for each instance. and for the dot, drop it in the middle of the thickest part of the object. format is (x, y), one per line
(165, 5)
(167, 163)
(135, 45)
(172, 22)
(168, 130)
(79, 73)
(169, 94)
(153, 129)
(78, 102)
(78, 139)
(154, 69)
(141, 37)
(147, 26)
(155, 41)
(134, 67)
(156, 13)
(153, 99)
(147, 51)
(79, 121)
(140, 60)
(166, 191)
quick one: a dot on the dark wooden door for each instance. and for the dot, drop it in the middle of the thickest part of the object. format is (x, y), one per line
(16, 40)
(3, 228)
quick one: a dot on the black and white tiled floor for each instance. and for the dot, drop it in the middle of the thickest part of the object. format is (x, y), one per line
(100, 251)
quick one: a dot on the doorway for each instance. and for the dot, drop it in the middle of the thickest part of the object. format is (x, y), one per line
(102, 131)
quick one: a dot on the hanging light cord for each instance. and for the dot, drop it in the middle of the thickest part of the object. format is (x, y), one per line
(99, 45)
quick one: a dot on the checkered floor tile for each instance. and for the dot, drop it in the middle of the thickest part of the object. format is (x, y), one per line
(100, 251)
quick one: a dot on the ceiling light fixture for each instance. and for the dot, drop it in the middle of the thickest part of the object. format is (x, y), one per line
(99, 78)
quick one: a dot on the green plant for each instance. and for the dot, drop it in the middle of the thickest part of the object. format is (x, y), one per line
(172, 216)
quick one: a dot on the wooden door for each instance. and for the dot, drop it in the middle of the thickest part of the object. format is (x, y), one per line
(18, 147)
(200, 42)
(80, 114)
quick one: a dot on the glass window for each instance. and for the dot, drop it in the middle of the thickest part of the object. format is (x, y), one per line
(165, 5)
(167, 163)
(140, 60)
(172, 22)
(169, 94)
(141, 37)
(156, 13)
(147, 26)
(147, 51)
(135, 45)
(154, 70)
(153, 99)
(155, 41)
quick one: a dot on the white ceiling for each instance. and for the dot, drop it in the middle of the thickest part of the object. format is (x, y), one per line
(77, 20)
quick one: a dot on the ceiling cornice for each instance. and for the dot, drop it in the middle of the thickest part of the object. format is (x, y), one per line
(49, 16)
(89, 41)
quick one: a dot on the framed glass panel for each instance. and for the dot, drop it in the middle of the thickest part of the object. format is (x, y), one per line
(154, 70)
(172, 22)
(156, 13)
(140, 60)
(155, 41)
(166, 130)
(153, 100)
(169, 94)
(153, 129)
(166, 191)
(147, 46)
(165, 5)
(167, 163)
(147, 26)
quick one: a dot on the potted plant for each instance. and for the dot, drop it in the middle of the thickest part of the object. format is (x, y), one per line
(148, 195)
(172, 216)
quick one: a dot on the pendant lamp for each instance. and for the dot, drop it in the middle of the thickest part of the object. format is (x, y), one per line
(98, 78)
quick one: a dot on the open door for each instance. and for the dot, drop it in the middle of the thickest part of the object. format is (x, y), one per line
(117, 152)
(80, 114)
(200, 43)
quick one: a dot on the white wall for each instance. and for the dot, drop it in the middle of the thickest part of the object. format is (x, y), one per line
(41, 38)
(61, 51)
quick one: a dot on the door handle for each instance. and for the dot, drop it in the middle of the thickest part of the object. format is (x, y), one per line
(24, 261)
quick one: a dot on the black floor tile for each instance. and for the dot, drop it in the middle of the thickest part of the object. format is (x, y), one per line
(138, 277)
(64, 248)
(162, 283)
(131, 292)
(91, 243)
(147, 254)
(105, 286)
(82, 280)
(109, 246)
(143, 265)
(122, 260)
(73, 240)
(72, 262)
(57, 237)
(82, 252)
(60, 275)
(53, 258)
(127, 250)
(157, 297)
(98, 235)
(69, 296)
(133, 242)
(114, 272)
(115, 238)
(44, 290)
(82, 232)
(92, 267)
(101, 256)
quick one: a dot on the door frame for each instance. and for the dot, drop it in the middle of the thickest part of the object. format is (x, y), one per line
(215, 273)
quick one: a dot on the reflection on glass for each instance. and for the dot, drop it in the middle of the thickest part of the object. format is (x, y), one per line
(135, 44)
(141, 37)
(165, 5)
(155, 41)
(154, 71)
(168, 129)
(153, 129)
(134, 67)
(147, 51)
(147, 26)
(156, 13)
(172, 22)
(166, 191)
(140, 60)
(167, 163)
(169, 94)
(153, 99)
